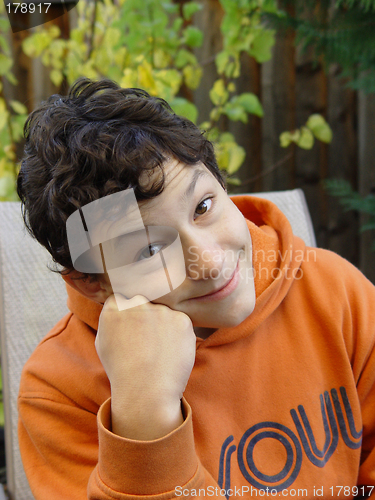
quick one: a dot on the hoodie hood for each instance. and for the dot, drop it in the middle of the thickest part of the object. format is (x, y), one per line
(277, 256)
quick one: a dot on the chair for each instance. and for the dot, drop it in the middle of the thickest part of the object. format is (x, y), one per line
(33, 299)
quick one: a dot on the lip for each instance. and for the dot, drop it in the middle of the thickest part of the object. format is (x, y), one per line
(224, 291)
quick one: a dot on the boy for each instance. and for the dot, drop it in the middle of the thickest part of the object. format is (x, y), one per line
(253, 377)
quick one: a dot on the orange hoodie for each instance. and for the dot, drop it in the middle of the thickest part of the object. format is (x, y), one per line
(281, 405)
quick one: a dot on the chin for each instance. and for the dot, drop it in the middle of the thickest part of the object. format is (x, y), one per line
(228, 320)
(235, 321)
(238, 316)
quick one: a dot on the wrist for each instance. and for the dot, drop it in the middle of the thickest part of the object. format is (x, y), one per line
(146, 421)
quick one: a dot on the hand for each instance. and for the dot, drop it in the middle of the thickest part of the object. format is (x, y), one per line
(148, 352)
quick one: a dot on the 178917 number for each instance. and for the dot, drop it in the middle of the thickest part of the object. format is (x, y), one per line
(25, 8)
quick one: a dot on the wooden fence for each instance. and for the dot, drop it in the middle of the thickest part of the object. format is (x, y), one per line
(291, 88)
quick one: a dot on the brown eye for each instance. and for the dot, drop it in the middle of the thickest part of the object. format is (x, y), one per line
(203, 206)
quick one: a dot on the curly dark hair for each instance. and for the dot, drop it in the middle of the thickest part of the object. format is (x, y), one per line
(97, 141)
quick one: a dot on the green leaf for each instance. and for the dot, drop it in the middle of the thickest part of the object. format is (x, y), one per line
(167, 83)
(192, 76)
(193, 37)
(146, 77)
(230, 155)
(262, 45)
(235, 181)
(320, 128)
(219, 94)
(215, 113)
(367, 227)
(18, 107)
(235, 112)
(161, 58)
(4, 115)
(338, 187)
(251, 103)
(228, 63)
(34, 45)
(270, 6)
(185, 108)
(227, 137)
(236, 158)
(306, 140)
(190, 8)
(5, 64)
(183, 58)
(7, 185)
(213, 134)
(285, 139)
(222, 60)
(56, 77)
(17, 124)
(169, 7)
(129, 79)
(12, 79)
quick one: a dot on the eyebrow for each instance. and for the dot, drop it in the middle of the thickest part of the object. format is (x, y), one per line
(190, 190)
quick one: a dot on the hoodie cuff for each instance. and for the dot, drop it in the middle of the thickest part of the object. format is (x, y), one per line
(146, 467)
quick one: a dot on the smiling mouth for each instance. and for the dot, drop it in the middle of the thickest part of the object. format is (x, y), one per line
(224, 290)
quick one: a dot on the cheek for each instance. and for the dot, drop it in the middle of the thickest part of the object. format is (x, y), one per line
(235, 227)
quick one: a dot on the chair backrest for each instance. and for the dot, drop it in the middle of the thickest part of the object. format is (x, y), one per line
(33, 299)
(293, 204)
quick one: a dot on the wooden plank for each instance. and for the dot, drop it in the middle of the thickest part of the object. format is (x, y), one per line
(341, 226)
(366, 174)
(249, 135)
(279, 103)
(311, 165)
(208, 20)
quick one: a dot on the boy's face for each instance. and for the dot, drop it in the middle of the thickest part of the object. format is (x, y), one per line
(216, 244)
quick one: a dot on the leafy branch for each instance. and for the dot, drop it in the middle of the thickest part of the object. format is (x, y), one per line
(352, 200)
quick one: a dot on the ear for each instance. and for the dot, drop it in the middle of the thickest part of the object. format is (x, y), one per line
(98, 289)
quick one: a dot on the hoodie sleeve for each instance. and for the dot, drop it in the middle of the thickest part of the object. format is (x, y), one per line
(164, 468)
(59, 447)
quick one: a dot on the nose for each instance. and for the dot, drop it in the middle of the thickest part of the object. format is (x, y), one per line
(204, 260)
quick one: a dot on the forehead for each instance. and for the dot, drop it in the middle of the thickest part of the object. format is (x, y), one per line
(121, 213)
(180, 181)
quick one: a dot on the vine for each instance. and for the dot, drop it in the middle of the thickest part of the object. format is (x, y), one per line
(150, 45)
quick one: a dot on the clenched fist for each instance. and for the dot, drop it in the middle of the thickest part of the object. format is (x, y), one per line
(148, 352)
